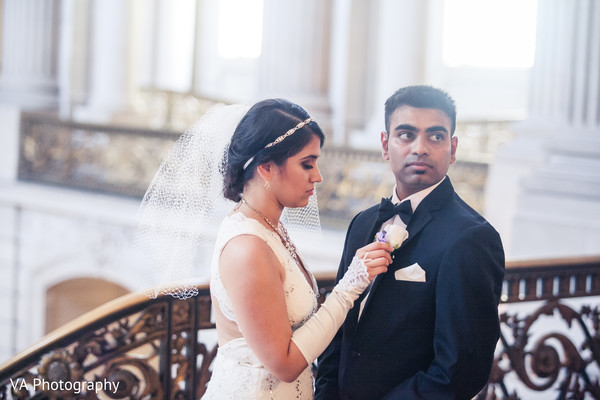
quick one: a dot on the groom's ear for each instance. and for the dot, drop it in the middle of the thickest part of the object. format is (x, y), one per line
(384, 145)
(453, 147)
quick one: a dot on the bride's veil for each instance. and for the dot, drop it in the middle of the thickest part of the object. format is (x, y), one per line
(184, 204)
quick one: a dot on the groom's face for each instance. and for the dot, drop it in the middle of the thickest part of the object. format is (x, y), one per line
(418, 147)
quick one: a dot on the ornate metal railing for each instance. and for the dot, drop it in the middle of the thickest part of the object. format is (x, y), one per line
(149, 349)
(141, 348)
(123, 160)
(549, 346)
(170, 109)
(91, 157)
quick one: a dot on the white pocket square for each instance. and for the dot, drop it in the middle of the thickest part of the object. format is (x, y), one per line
(413, 273)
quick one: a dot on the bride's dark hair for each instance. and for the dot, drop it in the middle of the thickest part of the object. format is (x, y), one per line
(262, 124)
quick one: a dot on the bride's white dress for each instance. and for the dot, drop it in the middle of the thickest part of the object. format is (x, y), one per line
(237, 372)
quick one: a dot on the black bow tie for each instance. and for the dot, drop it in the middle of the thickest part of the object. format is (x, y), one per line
(387, 210)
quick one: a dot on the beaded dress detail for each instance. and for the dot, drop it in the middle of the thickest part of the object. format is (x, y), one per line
(237, 372)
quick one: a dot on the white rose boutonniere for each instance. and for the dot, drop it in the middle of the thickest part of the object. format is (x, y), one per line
(392, 234)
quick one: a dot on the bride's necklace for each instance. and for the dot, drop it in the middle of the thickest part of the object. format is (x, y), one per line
(281, 232)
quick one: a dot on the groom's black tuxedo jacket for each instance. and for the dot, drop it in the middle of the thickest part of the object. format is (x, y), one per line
(421, 340)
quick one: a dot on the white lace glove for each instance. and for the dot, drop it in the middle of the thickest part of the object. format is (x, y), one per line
(315, 335)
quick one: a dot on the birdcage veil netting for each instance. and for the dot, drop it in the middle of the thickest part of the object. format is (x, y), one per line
(184, 205)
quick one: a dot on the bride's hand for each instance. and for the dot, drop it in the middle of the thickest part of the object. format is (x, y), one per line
(376, 257)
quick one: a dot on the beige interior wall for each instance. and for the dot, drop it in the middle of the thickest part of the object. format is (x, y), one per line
(70, 299)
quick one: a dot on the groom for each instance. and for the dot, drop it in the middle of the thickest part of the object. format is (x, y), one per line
(426, 329)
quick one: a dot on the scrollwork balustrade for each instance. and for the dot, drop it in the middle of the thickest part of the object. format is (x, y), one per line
(163, 348)
(122, 160)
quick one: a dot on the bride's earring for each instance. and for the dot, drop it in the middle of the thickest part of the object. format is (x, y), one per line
(267, 185)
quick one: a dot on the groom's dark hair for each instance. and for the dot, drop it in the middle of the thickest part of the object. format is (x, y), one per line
(421, 96)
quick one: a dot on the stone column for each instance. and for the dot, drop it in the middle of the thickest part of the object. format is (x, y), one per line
(351, 57)
(28, 76)
(295, 54)
(111, 54)
(544, 187)
(395, 57)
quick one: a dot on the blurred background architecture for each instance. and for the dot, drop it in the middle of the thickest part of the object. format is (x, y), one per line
(93, 93)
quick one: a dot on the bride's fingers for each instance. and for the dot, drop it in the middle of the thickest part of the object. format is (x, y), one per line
(373, 254)
(379, 245)
(379, 258)
(379, 254)
(376, 266)
(374, 271)
(372, 248)
(382, 254)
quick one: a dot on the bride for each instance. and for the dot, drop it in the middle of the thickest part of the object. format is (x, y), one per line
(264, 296)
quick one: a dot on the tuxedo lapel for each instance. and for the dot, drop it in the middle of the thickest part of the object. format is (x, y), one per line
(433, 202)
(370, 292)
(374, 228)
(370, 230)
(416, 224)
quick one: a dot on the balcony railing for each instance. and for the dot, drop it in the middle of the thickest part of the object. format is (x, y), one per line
(141, 348)
(123, 160)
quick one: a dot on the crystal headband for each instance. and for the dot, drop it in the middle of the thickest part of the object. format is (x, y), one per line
(280, 138)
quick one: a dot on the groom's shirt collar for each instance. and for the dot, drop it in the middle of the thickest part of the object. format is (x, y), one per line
(415, 198)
